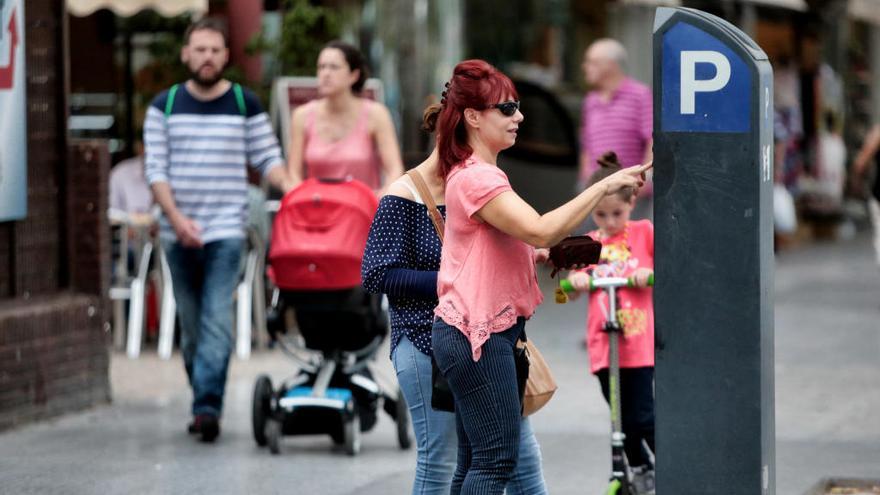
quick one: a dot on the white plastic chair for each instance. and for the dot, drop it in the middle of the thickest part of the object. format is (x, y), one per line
(251, 298)
(168, 312)
(127, 288)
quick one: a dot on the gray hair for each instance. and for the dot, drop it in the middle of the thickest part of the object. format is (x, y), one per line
(613, 49)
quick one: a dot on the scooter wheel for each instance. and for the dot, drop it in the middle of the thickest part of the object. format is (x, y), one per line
(616, 487)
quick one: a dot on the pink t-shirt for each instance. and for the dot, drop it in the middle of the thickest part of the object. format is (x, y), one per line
(624, 124)
(487, 278)
(354, 156)
(621, 256)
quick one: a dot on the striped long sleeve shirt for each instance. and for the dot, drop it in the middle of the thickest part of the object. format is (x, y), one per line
(201, 149)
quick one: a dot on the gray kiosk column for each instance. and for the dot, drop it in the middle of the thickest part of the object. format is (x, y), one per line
(713, 180)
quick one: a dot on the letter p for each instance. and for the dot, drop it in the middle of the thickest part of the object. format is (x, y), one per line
(690, 85)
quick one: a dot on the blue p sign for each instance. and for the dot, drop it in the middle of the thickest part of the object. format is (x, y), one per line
(704, 89)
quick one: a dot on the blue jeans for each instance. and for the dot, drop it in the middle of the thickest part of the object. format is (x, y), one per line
(488, 411)
(436, 432)
(204, 280)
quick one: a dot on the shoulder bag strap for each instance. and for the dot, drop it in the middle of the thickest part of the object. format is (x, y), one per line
(428, 199)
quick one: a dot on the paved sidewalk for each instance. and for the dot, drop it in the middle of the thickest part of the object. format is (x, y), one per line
(828, 409)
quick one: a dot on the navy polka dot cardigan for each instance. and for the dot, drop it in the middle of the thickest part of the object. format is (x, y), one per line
(401, 260)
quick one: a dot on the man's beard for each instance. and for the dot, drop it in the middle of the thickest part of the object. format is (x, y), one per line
(205, 82)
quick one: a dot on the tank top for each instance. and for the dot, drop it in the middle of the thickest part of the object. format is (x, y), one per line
(354, 156)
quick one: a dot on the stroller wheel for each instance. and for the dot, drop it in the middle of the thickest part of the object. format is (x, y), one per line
(352, 435)
(338, 437)
(403, 434)
(261, 408)
(273, 436)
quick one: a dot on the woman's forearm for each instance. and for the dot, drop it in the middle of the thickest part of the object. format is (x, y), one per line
(510, 214)
(559, 223)
(406, 282)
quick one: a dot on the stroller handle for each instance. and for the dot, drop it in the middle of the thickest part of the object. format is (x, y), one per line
(566, 288)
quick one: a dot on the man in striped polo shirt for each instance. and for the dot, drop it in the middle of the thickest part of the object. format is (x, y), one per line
(199, 138)
(616, 116)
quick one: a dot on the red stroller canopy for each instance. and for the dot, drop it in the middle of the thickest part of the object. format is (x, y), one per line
(319, 235)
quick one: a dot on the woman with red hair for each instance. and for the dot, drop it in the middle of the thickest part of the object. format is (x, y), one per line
(401, 260)
(487, 285)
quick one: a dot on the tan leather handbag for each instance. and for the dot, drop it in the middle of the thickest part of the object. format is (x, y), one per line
(540, 384)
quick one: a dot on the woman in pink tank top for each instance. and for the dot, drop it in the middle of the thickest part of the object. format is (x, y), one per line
(342, 135)
(486, 285)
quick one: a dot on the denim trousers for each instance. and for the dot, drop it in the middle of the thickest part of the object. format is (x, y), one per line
(487, 406)
(204, 281)
(436, 436)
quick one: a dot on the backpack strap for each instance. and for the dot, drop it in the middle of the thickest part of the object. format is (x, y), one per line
(239, 99)
(428, 199)
(236, 89)
(169, 103)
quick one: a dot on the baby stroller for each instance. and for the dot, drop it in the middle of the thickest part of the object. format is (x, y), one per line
(318, 241)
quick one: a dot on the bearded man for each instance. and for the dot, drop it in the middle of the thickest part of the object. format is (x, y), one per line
(199, 137)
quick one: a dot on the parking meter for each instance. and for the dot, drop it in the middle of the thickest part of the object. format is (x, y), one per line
(713, 300)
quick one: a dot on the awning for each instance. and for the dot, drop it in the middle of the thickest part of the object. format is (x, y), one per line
(865, 10)
(653, 3)
(798, 5)
(127, 8)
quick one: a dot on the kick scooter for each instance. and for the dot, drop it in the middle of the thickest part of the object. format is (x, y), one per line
(620, 483)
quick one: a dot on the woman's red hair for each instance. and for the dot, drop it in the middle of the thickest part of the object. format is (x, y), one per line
(475, 84)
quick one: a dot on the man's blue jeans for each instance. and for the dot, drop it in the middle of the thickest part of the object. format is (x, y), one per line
(436, 436)
(204, 280)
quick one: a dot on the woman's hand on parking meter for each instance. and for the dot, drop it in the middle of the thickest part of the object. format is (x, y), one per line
(641, 276)
(633, 177)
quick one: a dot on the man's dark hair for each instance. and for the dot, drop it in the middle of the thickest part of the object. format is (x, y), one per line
(209, 24)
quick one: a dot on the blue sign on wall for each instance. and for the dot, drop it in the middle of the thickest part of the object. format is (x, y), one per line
(706, 85)
(13, 112)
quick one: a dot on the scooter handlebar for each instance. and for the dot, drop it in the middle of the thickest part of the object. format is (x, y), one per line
(605, 282)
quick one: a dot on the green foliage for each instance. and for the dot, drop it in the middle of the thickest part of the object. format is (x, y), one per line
(305, 28)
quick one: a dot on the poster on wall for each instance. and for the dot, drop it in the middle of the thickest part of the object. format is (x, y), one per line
(13, 112)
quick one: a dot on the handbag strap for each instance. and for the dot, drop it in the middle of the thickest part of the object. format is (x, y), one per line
(428, 199)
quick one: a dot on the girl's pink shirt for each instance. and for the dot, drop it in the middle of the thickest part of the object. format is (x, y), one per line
(487, 278)
(621, 255)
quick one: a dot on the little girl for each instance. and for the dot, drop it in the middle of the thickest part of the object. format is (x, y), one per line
(627, 251)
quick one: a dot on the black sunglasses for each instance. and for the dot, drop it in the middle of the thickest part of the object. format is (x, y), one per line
(508, 108)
